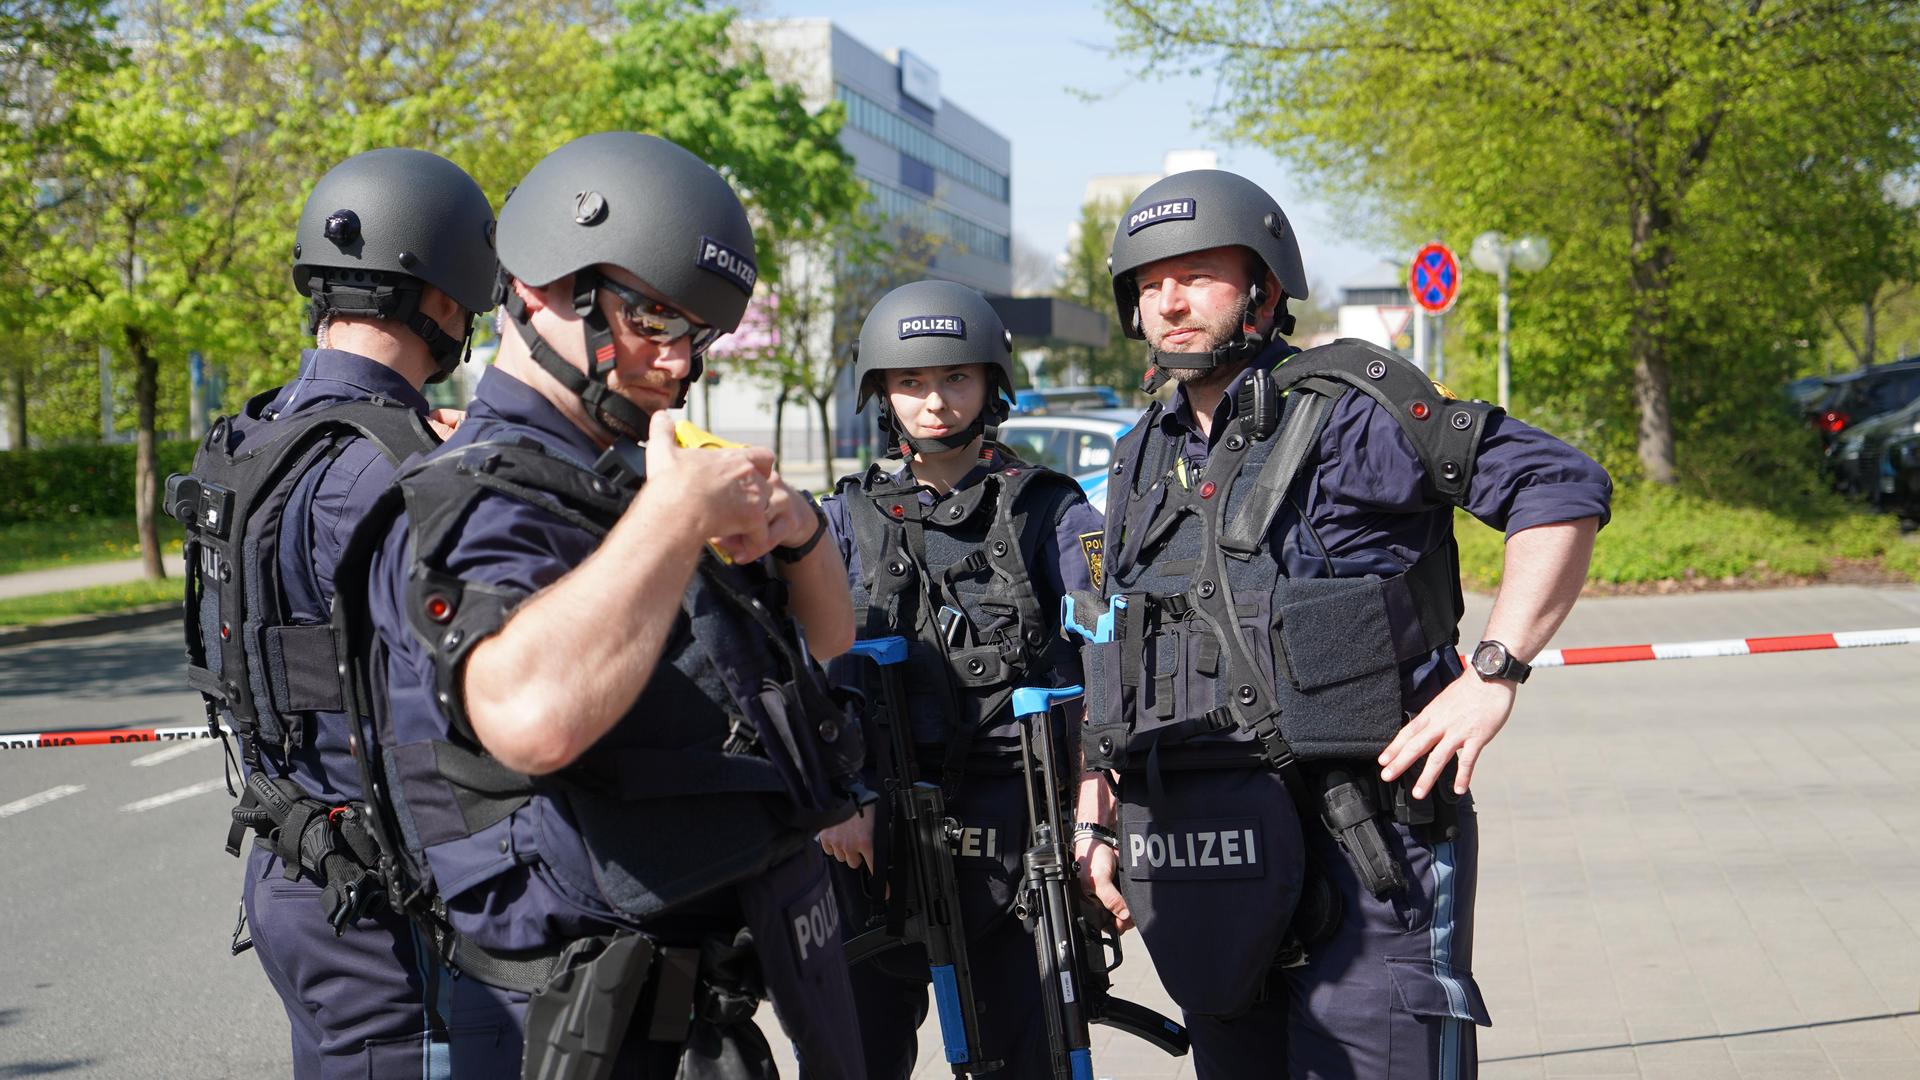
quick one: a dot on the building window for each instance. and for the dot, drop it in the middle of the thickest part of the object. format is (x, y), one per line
(969, 236)
(875, 119)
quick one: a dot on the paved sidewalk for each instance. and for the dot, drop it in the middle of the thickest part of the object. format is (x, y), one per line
(1695, 868)
(86, 575)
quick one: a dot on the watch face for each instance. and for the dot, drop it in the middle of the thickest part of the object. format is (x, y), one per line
(1489, 658)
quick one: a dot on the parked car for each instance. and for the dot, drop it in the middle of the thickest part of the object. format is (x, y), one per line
(1862, 395)
(1857, 458)
(1057, 399)
(1899, 479)
(1080, 444)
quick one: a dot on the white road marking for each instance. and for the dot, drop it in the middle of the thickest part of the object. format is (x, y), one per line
(171, 752)
(20, 806)
(174, 796)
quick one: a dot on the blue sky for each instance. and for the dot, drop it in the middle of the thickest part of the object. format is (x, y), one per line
(1016, 67)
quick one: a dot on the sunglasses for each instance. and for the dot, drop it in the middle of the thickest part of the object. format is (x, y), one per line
(659, 321)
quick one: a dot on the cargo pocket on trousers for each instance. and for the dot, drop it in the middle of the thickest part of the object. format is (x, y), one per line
(1424, 987)
(418, 1055)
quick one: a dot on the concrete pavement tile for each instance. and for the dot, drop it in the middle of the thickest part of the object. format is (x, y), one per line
(1796, 1066)
(1867, 1040)
(1878, 1070)
(1690, 1070)
(1526, 1069)
(1616, 1062)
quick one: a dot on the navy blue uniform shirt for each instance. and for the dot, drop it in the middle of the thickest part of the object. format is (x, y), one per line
(1063, 566)
(1365, 502)
(531, 859)
(328, 500)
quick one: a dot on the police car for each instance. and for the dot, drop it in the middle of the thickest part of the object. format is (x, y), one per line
(1079, 444)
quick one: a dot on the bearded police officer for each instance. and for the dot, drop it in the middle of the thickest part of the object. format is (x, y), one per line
(1277, 693)
(394, 252)
(965, 551)
(602, 748)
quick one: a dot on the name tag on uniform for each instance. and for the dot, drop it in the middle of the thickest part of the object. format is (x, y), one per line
(1201, 850)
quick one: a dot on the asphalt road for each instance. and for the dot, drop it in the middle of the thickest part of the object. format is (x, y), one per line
(1704, 868)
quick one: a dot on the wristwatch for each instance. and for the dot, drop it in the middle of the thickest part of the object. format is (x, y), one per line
(1493, 661)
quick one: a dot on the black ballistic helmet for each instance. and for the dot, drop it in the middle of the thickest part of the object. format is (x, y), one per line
(928, 324)
(647, 206)
(379, 226)
(1196, 211)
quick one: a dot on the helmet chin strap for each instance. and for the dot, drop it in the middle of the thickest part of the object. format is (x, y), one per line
(609, 409)
(1245, 344)
(987, 424)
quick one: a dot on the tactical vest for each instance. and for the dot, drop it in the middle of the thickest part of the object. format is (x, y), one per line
(730, 760)
(954, 578)
(244, 654)
(1217, 656)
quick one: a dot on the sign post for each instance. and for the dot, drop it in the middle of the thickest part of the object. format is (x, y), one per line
(1434, 282)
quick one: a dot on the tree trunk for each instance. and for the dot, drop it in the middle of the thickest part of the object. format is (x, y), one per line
(823, 404)
(1869, 347)
(779, 423)
(1652, 256)
(17, 403)
(146, 483)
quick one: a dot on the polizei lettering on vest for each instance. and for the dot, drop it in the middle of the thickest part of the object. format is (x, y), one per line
(1212, 849)
(816, 924)
(976, 842)
(1164, 210)
(942, 325)
(728, 263)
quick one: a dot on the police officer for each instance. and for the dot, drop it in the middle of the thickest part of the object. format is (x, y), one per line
(394, 252)
(966, 551)
(1280, 701)
(602, 747)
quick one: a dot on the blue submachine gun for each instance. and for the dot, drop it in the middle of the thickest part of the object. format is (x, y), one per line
(923, 902)
(1076, 951)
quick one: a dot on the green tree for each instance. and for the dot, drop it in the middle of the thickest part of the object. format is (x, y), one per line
(171, 152)
(38, 40)
(1687, 158)
(1084, 280)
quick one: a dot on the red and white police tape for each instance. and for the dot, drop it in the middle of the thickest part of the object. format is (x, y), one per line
(1548, 658)
(1693, 650)
(33, 740)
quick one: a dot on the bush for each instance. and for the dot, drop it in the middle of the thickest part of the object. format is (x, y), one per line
(61, 482)
(1659, 534)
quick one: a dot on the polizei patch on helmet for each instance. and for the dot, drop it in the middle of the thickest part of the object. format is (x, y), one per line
(728, 263)
(1164, 210)
(942, 325)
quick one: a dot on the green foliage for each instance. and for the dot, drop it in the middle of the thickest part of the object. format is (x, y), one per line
(1711, 174)
(75, 541)
(60, 483)
(1659, 533)
(1084, 280)
(98, 600)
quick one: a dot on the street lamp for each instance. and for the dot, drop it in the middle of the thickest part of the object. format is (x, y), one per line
(1493, 253)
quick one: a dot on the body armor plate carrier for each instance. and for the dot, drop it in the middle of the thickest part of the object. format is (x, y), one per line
(1216, 651)
(248, 654)
(954, 578)
(750, 778)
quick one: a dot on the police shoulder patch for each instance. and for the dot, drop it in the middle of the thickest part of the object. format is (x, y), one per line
(717, 258)
(941, 325)
(1091, 546)
(1164, 210)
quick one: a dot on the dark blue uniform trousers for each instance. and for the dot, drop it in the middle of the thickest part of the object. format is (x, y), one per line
(356, 1002)
(1389, 997)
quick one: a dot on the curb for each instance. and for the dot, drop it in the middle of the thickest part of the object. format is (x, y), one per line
(90, 625)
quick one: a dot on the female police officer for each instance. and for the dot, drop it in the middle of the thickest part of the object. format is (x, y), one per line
(966, 552)
(603, 750)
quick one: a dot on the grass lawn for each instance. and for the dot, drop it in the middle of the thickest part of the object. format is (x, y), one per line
(99, 600)
(1661, 535)
(41, 545)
